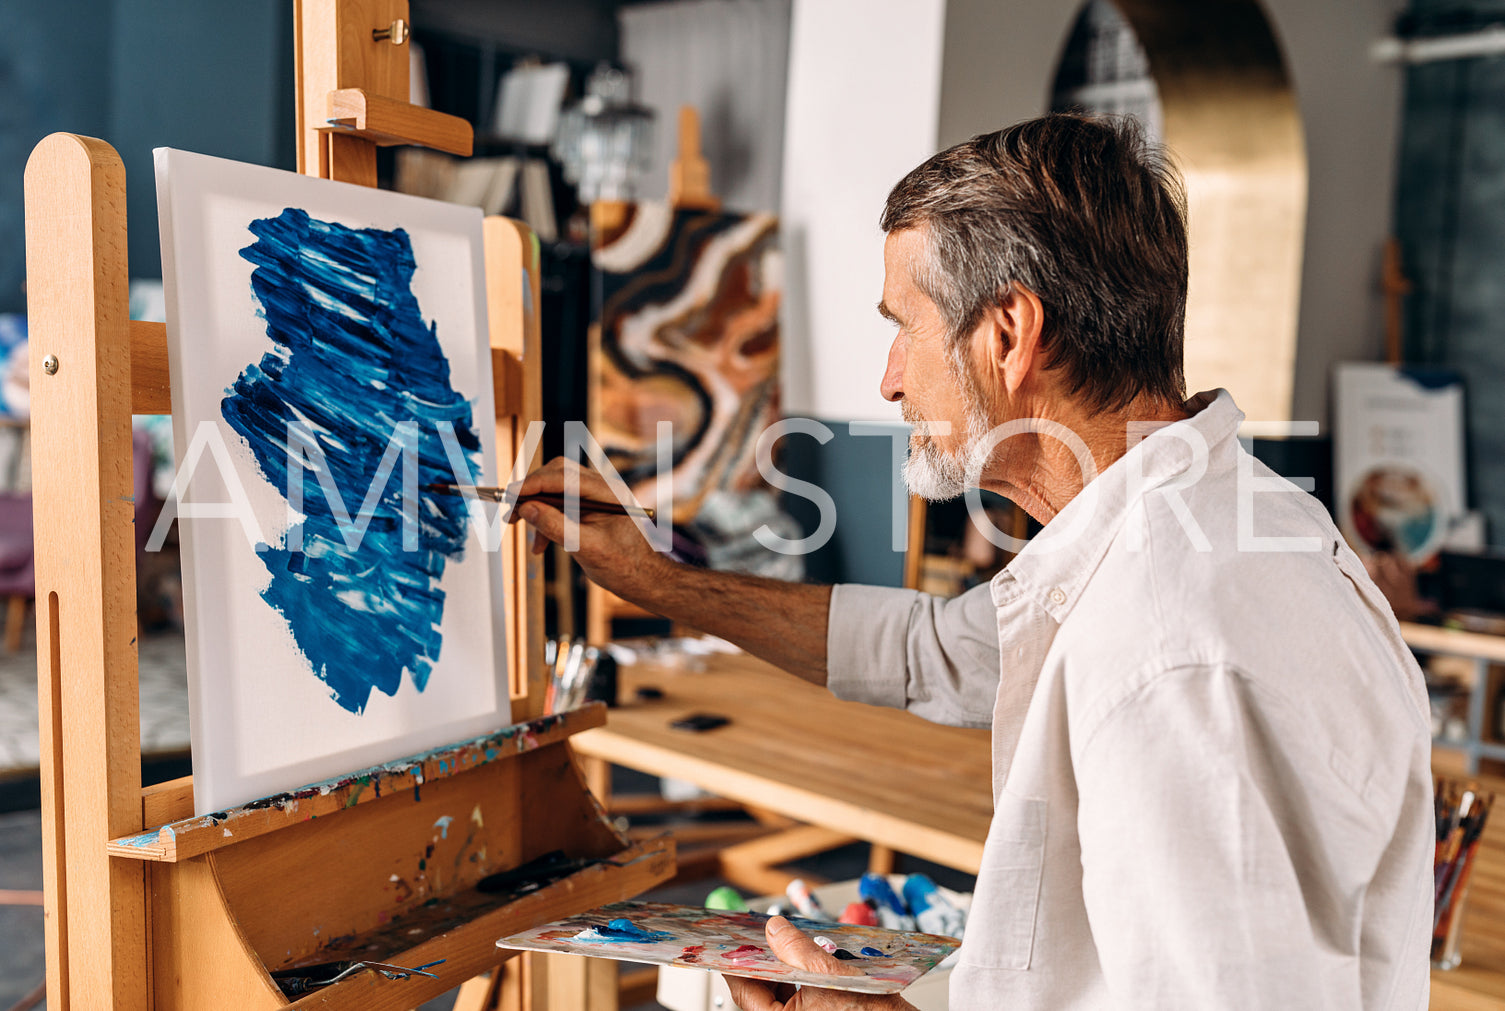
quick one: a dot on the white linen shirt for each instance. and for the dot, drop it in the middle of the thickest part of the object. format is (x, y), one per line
(1211, 749)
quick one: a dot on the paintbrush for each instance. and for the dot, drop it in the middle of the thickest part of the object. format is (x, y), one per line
(587, 505)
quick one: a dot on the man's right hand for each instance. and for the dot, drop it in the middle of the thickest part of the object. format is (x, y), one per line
(613, 551)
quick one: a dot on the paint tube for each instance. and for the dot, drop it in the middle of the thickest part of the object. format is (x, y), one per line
(727, 899)
(878, 893)
(805, 901)
(933, 913)
(859, 914)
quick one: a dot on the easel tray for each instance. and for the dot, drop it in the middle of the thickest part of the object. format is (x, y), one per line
(191, 837)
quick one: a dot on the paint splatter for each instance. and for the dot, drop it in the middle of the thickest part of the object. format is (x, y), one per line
(620, 931)
(353, 366)
(443, 824)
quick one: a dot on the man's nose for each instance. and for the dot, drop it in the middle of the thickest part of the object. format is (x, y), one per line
(893, 375)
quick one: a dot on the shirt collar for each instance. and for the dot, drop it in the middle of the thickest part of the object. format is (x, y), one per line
(1054, 568)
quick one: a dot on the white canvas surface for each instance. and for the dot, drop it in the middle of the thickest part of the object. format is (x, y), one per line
(262, 721)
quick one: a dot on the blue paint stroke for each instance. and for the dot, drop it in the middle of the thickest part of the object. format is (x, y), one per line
(352, 359)
(620, 931)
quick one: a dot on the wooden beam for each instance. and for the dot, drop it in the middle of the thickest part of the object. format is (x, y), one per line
(512, 256)
(167, 802)
(689, 172)
(335, 49)
(85, 571)
(151, 391)
(914, 551)
(385, 122)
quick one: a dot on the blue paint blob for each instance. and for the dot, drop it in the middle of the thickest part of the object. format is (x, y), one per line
(621, 931)
(871, 952)
(352, 360)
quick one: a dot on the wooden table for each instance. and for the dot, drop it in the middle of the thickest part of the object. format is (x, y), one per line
(877, 774)
(896, 780)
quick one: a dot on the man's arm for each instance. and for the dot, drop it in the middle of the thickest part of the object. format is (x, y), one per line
(936, 657)
(784, 623)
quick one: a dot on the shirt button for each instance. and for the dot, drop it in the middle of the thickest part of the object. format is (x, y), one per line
(1058, 596)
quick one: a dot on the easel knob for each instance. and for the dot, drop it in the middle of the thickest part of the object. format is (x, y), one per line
(395, 33)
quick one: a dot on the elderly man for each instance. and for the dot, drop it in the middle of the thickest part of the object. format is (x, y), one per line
(1210, 746)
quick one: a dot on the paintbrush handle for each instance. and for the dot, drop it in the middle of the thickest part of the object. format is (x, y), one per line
(587, 505)
(590, 505)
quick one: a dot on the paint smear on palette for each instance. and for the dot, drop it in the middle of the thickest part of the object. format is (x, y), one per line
(353, 366)
(722, 941)
(621, 931)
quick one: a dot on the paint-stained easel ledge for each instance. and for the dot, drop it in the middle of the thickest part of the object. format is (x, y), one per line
(191, 837)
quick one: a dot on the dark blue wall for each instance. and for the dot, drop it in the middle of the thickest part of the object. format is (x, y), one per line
(54, 75)
(1450, 216)
(209, 77)
(858, 473)
(215, 78)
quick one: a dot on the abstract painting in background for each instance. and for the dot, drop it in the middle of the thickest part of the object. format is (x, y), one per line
(329, 360)
(687, 314)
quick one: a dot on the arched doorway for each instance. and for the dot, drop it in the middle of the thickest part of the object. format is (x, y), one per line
(1209, 81)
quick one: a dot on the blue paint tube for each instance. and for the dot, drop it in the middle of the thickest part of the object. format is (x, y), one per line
(933, 912)
(876, 891)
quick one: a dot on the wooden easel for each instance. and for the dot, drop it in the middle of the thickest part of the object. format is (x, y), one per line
(146, 906)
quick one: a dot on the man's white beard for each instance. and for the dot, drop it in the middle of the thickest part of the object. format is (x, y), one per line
(935, 475)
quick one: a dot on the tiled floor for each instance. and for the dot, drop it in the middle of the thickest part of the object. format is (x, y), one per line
(164, 700)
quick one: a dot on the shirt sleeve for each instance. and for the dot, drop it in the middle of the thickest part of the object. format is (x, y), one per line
(937, 657)
(1196, 860)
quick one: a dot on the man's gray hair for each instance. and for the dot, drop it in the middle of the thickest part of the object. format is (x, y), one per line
(1087, 215)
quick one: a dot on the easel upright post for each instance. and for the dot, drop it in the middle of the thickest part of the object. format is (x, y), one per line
(337, 49)
(86, 568)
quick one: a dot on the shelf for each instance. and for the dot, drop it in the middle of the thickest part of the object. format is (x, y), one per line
(387, 121)
(191, 837)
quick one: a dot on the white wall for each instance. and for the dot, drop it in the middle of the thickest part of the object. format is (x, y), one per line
(876, 87)
(728, 58)
(1350, 108)
(864, 83)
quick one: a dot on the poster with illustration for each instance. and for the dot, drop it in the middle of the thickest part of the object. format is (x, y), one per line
(879, 961)
(330, 361)
(1398, 458)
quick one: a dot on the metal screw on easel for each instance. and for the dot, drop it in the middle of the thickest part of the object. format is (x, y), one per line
(49, 365)
(395, 33)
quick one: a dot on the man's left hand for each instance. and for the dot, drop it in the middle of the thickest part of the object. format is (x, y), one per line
(794, 948)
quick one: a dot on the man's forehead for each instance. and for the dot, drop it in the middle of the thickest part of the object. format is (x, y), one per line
(899, 289)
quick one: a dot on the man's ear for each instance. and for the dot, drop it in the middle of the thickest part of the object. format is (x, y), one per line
(1019, 317)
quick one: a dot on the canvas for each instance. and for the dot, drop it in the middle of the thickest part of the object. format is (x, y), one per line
(688, 310)
(735, 943)
(329, 360)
